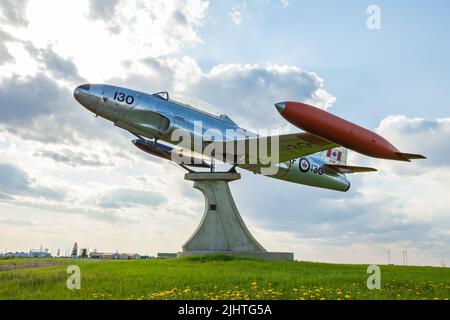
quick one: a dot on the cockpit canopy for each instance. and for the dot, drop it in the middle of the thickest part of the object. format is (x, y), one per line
(193, 103)
(162, 95)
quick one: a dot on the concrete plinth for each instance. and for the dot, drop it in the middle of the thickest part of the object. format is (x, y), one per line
(222, 230)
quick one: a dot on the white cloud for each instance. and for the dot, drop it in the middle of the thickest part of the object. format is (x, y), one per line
(236, 16)
(12, 12)
(416, 135)
(142, 29)
(284, 3)
(247, 93)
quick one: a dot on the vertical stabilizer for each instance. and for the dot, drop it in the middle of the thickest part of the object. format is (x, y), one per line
(335, 156)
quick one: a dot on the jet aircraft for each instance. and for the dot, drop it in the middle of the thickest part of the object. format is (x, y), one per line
(316, 158)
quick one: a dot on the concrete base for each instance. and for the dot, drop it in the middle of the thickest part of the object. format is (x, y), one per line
(289, 256)
(222, 230)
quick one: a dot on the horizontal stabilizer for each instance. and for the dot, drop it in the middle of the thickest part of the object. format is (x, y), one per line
(348, 169)
(411, 156)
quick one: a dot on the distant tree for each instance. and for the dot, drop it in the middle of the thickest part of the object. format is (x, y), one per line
(84, 253)
(75, 250)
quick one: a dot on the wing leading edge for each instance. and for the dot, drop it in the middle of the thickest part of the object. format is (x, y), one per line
(290, 146)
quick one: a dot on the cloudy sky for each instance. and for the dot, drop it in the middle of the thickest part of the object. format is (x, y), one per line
(66, 176)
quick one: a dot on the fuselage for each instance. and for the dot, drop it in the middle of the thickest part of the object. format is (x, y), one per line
(155, 116)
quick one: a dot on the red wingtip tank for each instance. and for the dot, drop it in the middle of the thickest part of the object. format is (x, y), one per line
(341, 131)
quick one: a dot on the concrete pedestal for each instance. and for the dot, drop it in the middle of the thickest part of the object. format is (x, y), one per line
(222, 230)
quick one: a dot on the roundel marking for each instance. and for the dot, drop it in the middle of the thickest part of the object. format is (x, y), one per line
(304, 165)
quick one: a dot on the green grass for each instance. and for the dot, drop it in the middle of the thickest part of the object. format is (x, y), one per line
(216, 278)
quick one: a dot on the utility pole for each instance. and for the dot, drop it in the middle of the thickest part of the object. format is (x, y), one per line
(405, 257)
(389, 257)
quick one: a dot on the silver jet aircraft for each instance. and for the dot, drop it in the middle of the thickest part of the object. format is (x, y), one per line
(302, 157)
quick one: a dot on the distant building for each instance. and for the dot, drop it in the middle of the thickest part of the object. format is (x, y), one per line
(115, 256)
(133, 256)
(165, 255)
(126, 256)
(120, 256)
(16, 255)
(38, 253)
(100, 255)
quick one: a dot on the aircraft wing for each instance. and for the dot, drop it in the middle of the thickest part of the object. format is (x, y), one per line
(291, 146)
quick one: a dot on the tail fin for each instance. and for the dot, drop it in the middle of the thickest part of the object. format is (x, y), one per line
(335, 162)
(336, 156)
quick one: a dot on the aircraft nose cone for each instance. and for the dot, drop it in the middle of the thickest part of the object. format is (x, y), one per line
(280, 107)
(81, 89)
(87, 95)
(76, 92)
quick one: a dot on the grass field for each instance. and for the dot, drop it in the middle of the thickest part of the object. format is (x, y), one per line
(216, 278)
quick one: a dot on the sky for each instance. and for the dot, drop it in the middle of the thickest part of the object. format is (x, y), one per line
(68, 177)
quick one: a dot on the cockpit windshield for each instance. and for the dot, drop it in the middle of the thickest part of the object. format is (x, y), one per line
(195, 103)
(162, 95)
